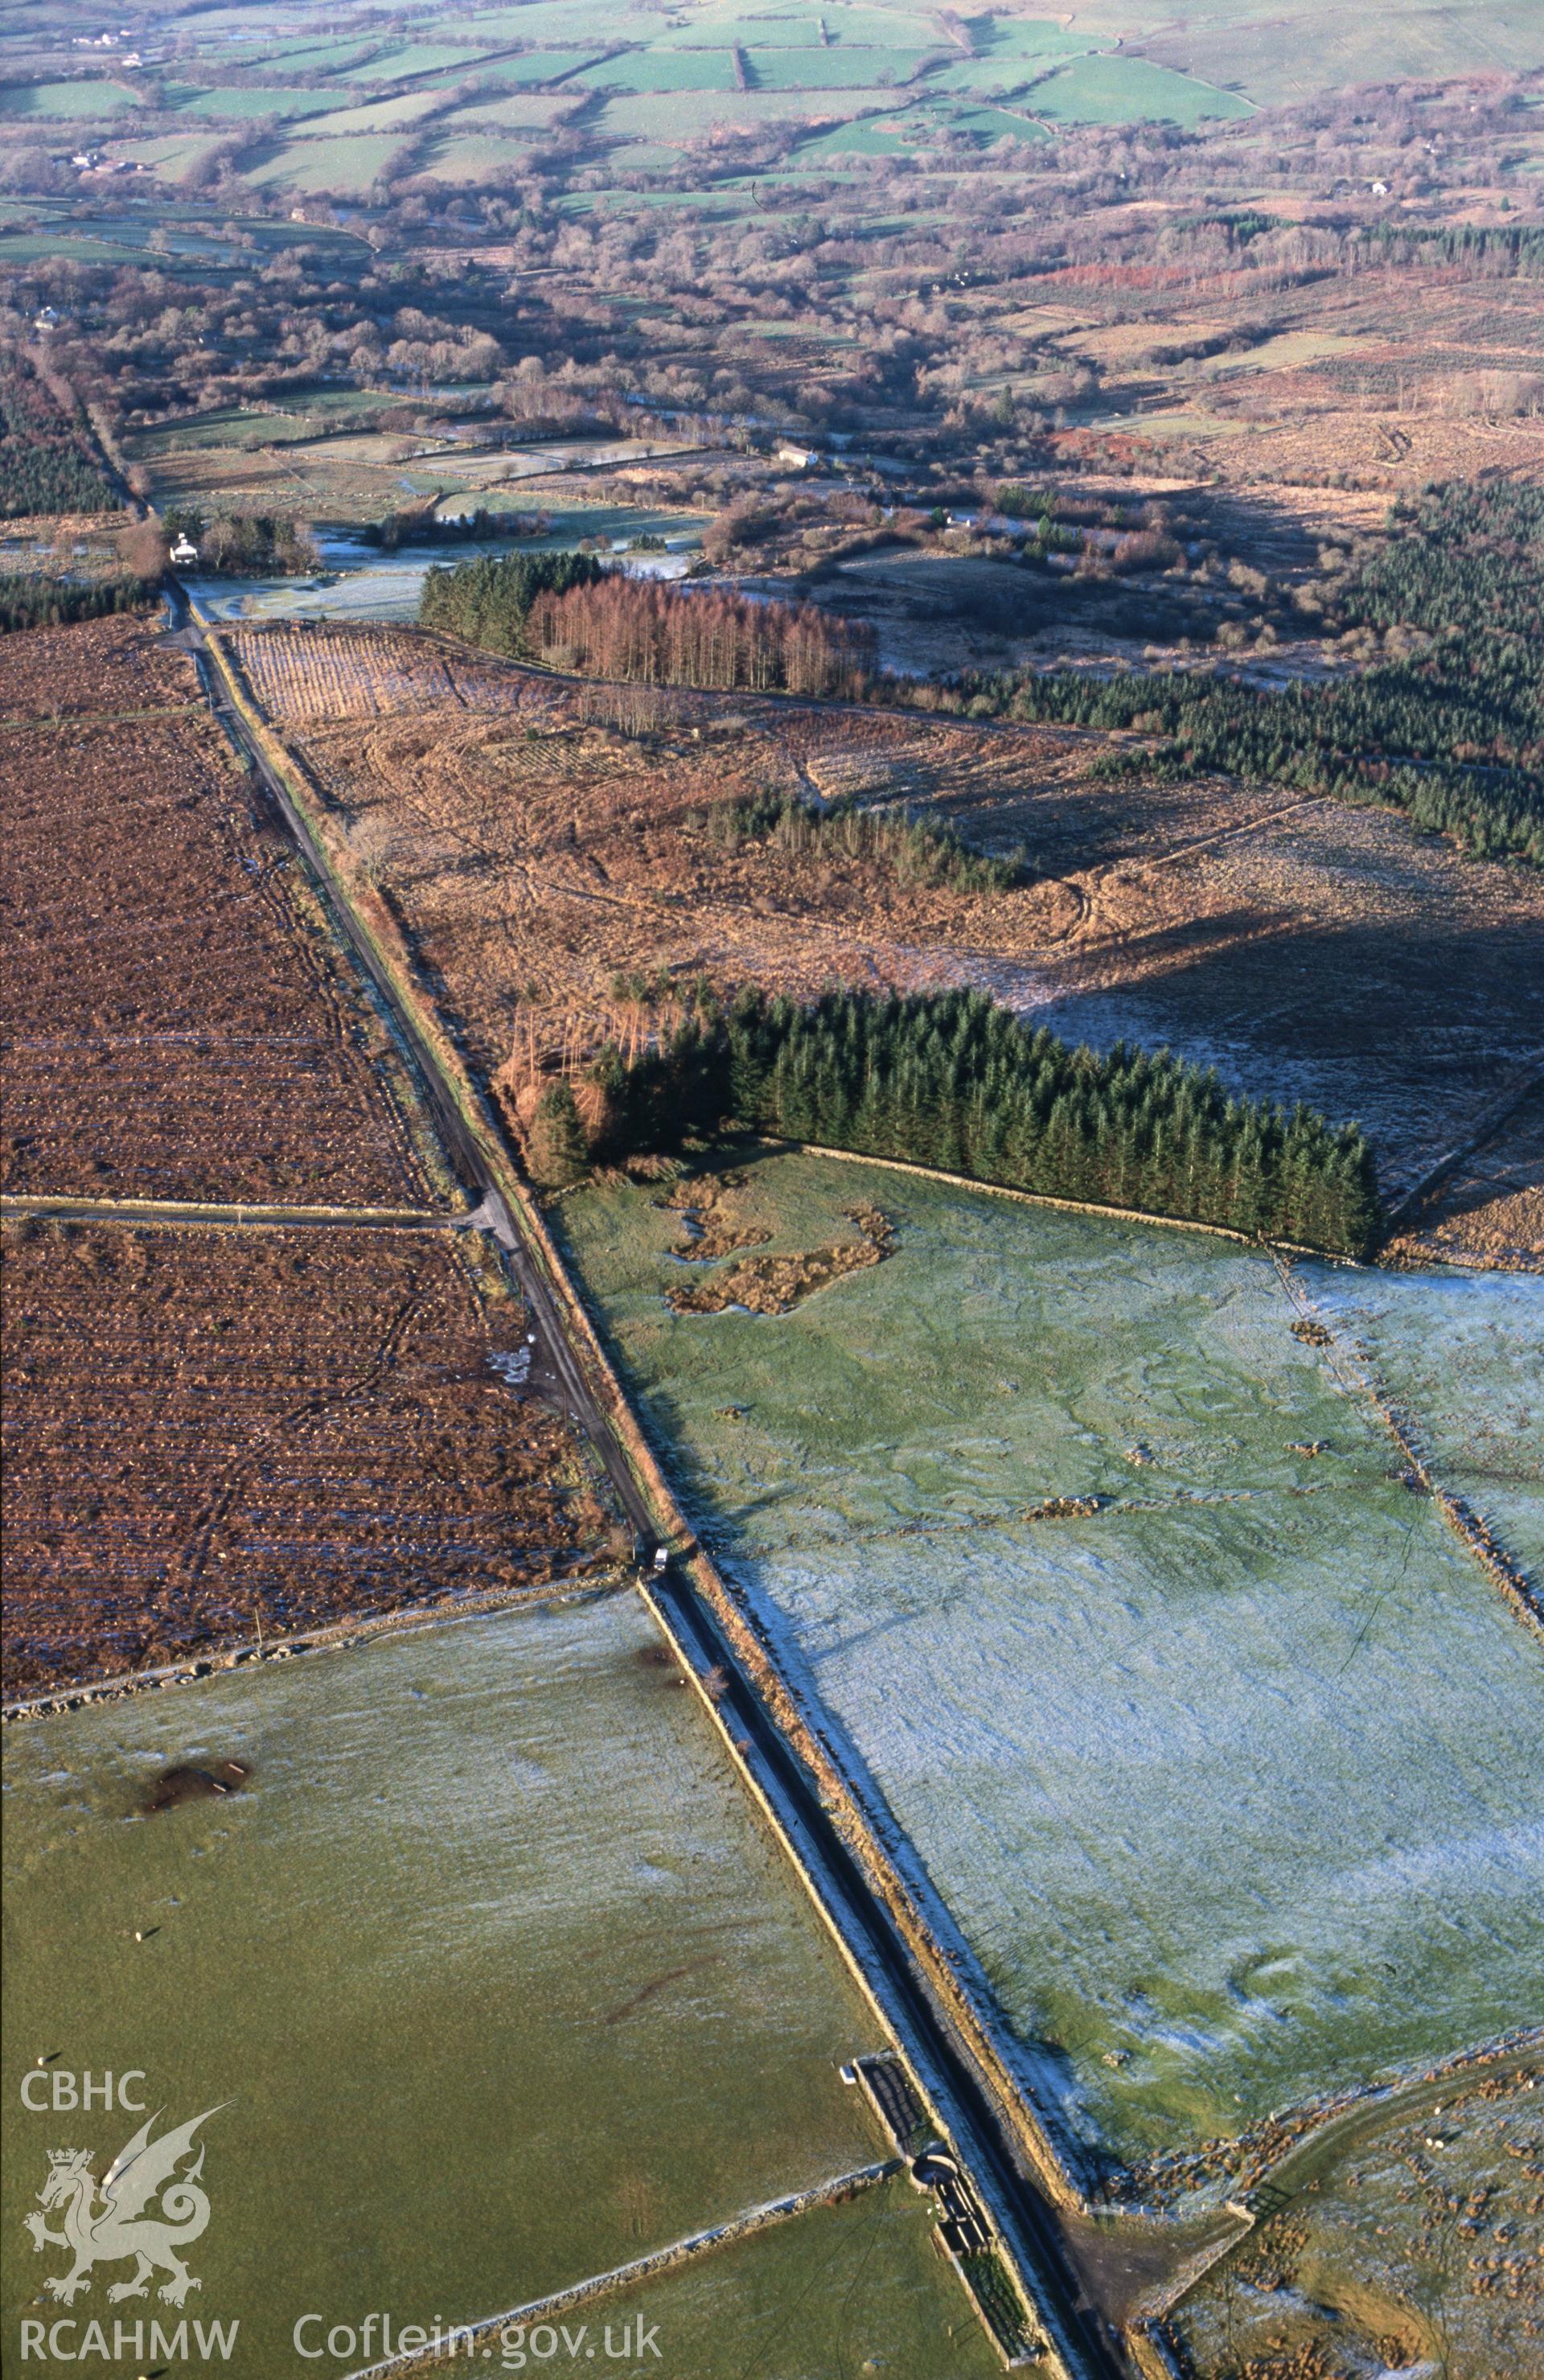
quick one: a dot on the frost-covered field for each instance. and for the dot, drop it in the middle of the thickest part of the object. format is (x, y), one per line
(1462, 1353)
(1233, 1787)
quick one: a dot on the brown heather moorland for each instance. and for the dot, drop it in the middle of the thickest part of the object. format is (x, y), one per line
(213, 1435)
(178, 1024)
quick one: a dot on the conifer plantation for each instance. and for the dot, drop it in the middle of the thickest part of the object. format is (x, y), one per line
(487, 601)
(27, 599)
(657, 634)
(953, 1081)
(1452, 733)
(565, 610)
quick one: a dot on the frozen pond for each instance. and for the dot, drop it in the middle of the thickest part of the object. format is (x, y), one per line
(1232, 1787)
(360, 582)
(491, 1974)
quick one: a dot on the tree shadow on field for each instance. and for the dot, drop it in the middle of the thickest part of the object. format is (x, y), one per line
(1410, 1029)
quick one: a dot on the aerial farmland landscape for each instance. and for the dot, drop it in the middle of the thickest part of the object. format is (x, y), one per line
(773, 1199)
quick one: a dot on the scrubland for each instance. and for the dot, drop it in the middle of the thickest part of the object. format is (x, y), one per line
(560, 836)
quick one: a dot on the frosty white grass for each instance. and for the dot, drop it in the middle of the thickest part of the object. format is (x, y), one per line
(1462, 1353)
(1233, 1788)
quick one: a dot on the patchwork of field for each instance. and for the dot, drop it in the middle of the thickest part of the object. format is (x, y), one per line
(213, 1435)
(851, 62)
(1201, 1730)
(179, 1022)
(1307, 949)
(317, 461)
(491, 1895)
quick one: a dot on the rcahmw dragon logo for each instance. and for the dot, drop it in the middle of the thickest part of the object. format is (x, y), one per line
(105, 2234)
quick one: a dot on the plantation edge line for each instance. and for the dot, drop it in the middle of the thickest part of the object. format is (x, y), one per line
(971, 2037)
(1065, 1206)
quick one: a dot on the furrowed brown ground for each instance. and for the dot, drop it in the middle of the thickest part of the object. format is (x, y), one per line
(1311, 951)
(179, 1022)
(213, 1435)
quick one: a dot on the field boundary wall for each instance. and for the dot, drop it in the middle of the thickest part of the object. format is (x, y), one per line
(538, 2311)
(1063, 1206)
(1472, 1530)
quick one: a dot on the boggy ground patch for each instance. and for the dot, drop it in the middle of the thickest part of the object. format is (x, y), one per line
(187, 1781)
(775, 1284)
(709, 1226)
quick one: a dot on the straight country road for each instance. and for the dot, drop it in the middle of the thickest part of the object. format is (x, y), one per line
(1081, 2344)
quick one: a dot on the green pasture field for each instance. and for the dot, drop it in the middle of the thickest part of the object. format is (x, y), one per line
(658, 70)
(233, 427)
(306, 57)
(997, 124)
(641, 157)
(376, 115)
(171, 156)
(854, 2289)
(402, 58)
(549, 20)
(775, 29)
(35, 246)
(349, 163)
(536, 66)
(833, 69)
(492, 1896)
(725, 20)
(475, 157)
(1462, 1353)
(1278, 55)
(517, 111)
(992, 78)
(245, 102)
(663, 115)
(1203, 1777)
(1131, 91)
(867, 137)
(1000, 40)
(65, 103)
